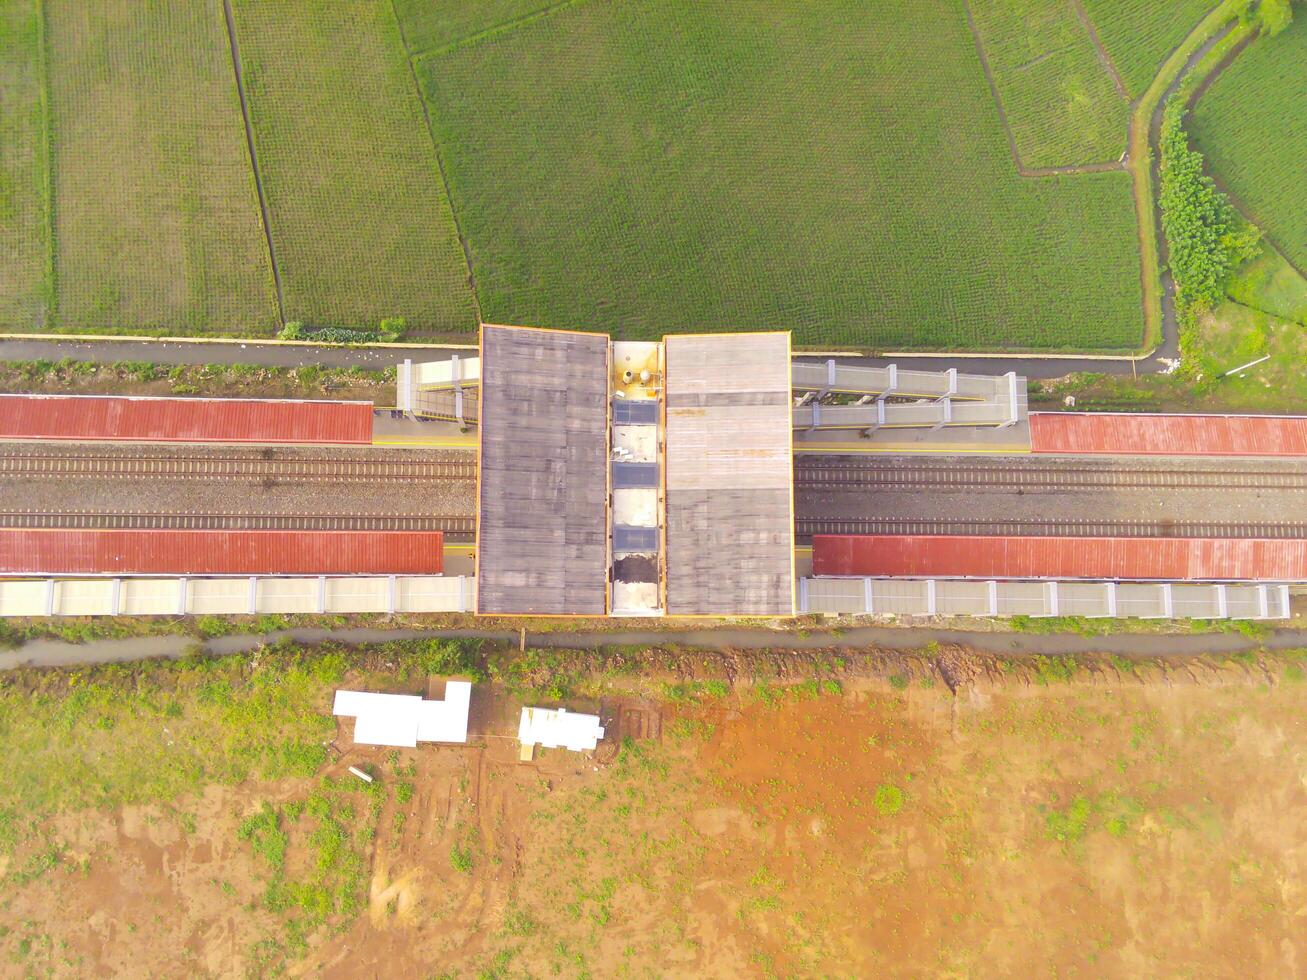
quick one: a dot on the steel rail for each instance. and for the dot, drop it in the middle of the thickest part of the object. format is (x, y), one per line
(319, 470)
(807, 527)
(916, 476)
(123, 520)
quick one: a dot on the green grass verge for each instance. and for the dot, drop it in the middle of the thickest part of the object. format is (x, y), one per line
(360, 222)
(156, 221)
(1059, 100)
(24, 295)
(648, 168)
(1252, 128)
(1270, 284)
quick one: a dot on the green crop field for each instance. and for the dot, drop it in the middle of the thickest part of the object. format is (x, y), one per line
(360, 224)
(156, 225)
(1058, 98)
(24, 296)
(1139, 34)
(434, 24)
(1252, 126)
(658, 167)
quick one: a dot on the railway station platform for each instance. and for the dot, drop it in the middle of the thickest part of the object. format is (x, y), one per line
(121, 418)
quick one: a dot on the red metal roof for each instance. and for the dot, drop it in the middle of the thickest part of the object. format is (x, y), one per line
(928, 556)
(184, 419)
(144, 552)
(1111, 433)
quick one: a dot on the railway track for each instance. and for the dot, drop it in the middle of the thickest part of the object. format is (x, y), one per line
(807, 527)
(455, 525)
(239, 468)
(868, 475)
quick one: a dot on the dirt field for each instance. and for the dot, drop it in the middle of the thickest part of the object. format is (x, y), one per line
(1041, 821)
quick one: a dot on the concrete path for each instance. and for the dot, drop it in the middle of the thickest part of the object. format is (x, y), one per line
(56, 653)
(233, 352)
(276, 355)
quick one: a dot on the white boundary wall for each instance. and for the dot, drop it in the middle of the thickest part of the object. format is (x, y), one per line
(971, 597)
(230, 596)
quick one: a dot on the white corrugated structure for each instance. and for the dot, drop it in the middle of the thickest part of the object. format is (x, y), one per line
(235, 595)
(971, 597)
(404, 720)
(558, 728)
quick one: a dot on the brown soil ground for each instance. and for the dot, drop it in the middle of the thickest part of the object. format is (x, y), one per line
(1119, 825)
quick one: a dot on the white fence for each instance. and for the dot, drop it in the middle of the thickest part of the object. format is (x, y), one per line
(969, 597)
(228, 596)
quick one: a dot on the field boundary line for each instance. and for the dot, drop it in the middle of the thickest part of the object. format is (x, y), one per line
(1103, 55)
(440, 163)
(47, 140)
(504, 27)
(1104, 166)
(234, 49)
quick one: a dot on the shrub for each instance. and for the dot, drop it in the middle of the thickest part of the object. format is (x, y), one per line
(888, 799)
(1204, 235)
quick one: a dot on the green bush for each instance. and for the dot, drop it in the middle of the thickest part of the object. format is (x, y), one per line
(1205, 237)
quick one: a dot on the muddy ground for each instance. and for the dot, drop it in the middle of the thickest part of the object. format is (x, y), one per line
(963, 817)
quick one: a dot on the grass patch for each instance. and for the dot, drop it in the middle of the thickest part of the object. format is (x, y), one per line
(153, 730)
(360, 222)
(155, 213)
(1058, 98)
(702, 165)
(1249, 124)
(24, 151)
(888, 799)
(334, 827)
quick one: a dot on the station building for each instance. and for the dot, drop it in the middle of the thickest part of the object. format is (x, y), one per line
(619, 478)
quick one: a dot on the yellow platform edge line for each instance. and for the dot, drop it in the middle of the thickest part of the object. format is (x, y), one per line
(411, 442)
(914, 448)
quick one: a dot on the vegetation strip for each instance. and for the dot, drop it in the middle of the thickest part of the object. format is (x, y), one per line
(254, 157)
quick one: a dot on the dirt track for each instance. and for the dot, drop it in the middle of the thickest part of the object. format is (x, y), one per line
(1122, 824)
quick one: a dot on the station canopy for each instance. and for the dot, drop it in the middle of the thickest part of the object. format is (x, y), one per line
(543, 520)
(730, 507)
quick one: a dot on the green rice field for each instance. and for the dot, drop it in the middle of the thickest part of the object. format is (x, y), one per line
(1059, 100)
(156, 225)
(24, 208)
(360, 224)
(647, 168)
(1139, 34)
(1252, 126)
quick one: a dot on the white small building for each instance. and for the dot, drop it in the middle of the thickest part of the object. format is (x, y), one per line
(403, 720)
(558, 728)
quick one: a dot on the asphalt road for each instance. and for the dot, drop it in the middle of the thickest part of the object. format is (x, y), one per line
(276, 355)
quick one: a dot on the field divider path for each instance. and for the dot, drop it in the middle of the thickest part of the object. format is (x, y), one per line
(1104, 55)
(440, 163)
(494, 30)
(264, 213)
